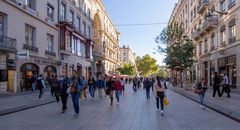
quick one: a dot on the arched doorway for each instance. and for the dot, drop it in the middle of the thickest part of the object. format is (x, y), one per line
(26, 72)
(49, 71)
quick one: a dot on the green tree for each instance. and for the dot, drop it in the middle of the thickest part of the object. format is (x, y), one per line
(177, 47)
(127, 69)
(162, 73)
(146, 65)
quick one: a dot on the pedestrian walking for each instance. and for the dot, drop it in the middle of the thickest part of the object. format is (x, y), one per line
(216, 85)
(55, 87)
(147, 85)
(100, 86)
(123, 83)
(64, 84)
(41, 85)
(159, 92)
(85, 87)
(91, 84)
(226, 87)
(33, 82)
(76, 86)
(118, 89)
(135, 84)
(110, 88)
(202, 86)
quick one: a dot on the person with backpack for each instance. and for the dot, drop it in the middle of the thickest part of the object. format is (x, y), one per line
(202, 86)
(148, 85)
(63, 85)
(216, 85)
(159, 92)
(91, 84)
(41, 85)
(76, 87)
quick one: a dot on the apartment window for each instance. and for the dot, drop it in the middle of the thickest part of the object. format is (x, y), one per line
(62, 39)
(222, 35)
(89, 31)
(89, 13)
(78, 24)
(50, 43)
(232, 31)
(231, 3)
(50, 12)
(30, 4)
(74, 47)
(78, 47)
(205, 45)
(91, 52)
(200, 49)
(84, 28)
(30, 35)
(222, 5)
(78, 3)
(213, 40)
(1, 25)
(63, 11)
(71, 17)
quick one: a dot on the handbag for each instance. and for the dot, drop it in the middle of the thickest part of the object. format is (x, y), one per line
(68, 90)
(165, 101)
(197, 91)
(107, 91)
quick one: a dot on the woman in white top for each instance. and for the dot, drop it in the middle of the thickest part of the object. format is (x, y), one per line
(159, 91)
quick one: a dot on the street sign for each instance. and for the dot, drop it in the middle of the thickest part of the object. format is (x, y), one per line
(24, 54)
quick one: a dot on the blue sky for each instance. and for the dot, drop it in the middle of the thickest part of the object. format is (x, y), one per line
(140, 38)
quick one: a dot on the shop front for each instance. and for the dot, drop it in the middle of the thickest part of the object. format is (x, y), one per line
(49, 71)
(227, 65)
(27, 70)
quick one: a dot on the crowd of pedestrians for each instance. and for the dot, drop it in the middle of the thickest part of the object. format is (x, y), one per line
(111, 86)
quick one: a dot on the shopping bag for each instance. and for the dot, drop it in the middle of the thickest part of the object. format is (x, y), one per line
(165, 101)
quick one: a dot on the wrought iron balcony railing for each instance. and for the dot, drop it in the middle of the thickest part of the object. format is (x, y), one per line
(30, 47)
(7, 43)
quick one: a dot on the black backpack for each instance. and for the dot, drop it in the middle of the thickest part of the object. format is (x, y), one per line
(39, 84)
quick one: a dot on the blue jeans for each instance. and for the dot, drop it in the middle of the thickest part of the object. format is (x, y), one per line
(201, 97)
(148, 93)
(33, 86)
(92, 91)
(75, 100)
(117, 93)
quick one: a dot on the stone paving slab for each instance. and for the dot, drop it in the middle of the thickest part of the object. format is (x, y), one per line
(229, 107)
(14, 103)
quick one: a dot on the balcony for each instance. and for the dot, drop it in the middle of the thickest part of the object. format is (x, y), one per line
(212, 48)
(30, 47)
(223, 44)
(203, 4)
(50, 53)
(232, 40)
(7, 43)
(196, 34)
(210, 23)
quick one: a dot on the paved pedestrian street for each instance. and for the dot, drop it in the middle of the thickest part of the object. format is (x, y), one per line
(133, 113)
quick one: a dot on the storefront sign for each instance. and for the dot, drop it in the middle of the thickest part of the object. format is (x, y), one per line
(23, 54)
(11, 64)
(45, 62)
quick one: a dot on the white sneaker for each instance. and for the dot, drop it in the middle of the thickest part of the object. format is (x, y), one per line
(118, 103)
(157, 109)
(161, 112)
